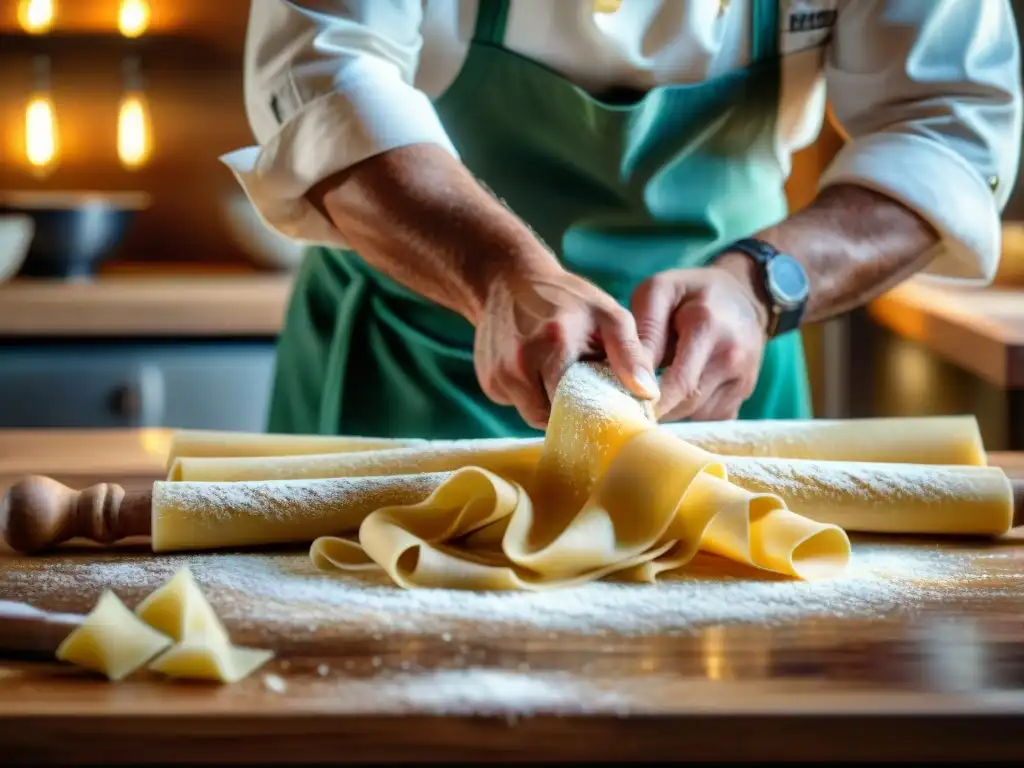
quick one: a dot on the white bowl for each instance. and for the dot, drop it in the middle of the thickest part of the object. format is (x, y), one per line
(16, 233)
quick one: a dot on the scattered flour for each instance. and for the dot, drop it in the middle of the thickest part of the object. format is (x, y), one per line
(455, 691)
(285, 591)
(274, 683)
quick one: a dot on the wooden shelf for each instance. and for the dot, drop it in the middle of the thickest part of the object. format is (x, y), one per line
(178, 52)
(980, 330)
(144, 304)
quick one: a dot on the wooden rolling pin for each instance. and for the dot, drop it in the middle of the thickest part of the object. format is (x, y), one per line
(25, 630)
(39, 513)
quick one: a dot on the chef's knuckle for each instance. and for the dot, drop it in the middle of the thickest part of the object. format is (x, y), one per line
(553, 331)
(695, 316)
(515, 366)
(617, 317)
(733, 355)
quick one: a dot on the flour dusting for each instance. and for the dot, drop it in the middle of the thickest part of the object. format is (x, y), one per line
(285, 595)
(455, 691)
(859, 483)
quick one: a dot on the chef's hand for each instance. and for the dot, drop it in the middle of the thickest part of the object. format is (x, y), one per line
(707, 327)
(535, 325)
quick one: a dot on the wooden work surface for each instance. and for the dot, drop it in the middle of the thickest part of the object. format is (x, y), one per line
(132, 305)
(980, 330)
(919, 652)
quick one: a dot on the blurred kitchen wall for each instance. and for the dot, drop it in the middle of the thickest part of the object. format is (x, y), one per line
(189, 80)
(190, 77)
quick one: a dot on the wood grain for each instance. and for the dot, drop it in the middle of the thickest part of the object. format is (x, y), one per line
(981, 330)
(934, 677)
(215, 306)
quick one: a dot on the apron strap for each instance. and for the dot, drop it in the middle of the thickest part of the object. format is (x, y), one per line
(764, 30)
(491, 20)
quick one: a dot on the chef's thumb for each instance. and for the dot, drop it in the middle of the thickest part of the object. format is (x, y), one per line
(626, 354)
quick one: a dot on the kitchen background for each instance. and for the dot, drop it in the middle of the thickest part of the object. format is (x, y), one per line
(151, 295)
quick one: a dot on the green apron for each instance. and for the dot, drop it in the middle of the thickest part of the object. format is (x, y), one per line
(620, 190)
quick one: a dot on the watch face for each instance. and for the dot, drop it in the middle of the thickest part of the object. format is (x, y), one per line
(787, 280)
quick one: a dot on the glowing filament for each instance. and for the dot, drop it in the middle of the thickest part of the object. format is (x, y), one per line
(134, 141)
(36, 16)
(41, 145)
(133, 18)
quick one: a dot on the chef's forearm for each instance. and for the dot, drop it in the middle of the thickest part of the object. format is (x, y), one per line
(855, 244)
(418, 215)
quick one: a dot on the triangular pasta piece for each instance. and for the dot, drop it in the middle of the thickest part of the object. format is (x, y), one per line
(179, 610)
(112, 640)
(221, 663)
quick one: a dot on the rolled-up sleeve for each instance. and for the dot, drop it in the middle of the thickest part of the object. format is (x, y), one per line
(928, 94)
(328, 83)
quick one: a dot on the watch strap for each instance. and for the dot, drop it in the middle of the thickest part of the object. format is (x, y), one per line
(758, 250)
(782, 319)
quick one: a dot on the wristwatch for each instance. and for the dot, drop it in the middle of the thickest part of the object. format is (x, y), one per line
(785, 283)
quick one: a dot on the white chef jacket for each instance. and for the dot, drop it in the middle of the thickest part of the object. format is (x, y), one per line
(927, 91)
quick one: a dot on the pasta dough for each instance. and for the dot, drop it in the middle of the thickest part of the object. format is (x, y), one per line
(606, 494)
(209, 443)
(943, 440)
(200, 515)
(112, 640)
(178, 610)
(202, 650)
(885, 498)
(513, 459)
(922, 440)
(865, 497)
(938, 440)
(611, 496)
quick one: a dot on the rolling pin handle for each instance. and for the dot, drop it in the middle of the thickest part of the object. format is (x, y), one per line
(38, 513)
(26, 629)
(1018, 502)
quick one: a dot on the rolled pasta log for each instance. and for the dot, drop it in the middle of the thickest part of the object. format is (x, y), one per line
(512, 459)
(924, 440)
(200, 516)
(885, 498)
(212, 443)
(939, 440)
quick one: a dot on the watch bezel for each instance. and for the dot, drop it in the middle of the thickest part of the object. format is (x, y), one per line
(778, 294)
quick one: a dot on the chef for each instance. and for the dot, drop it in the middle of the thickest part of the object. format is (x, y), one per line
(494, 189)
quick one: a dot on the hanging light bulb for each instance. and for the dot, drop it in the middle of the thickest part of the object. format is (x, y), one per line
(134, 131)
(36, 16)
(134, 139)
(133, 17)
(42, 135)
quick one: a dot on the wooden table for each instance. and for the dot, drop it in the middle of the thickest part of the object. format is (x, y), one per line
(929, 665)
(979, 330)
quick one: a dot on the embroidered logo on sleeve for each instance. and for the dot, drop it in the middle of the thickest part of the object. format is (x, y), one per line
(804, 17)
